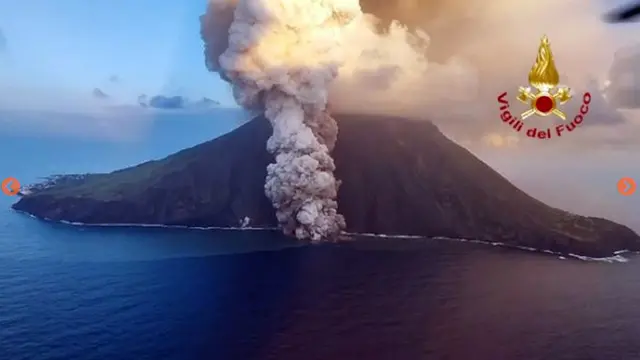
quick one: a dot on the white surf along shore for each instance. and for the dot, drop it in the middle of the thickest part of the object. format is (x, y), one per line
(244, 226)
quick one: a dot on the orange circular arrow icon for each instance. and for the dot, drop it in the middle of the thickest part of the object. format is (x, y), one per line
(10, 186)
(627, 186)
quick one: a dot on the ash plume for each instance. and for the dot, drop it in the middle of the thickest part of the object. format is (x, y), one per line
(425, 59)
(284, 57)
(446, 60)
(281, 57)
(475, 49)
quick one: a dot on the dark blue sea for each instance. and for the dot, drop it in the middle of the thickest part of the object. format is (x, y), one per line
(84, 293)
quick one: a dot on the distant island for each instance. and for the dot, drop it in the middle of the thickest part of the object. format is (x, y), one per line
(399, 177)
(176, 102)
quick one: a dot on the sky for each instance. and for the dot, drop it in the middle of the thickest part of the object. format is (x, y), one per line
(127, 48)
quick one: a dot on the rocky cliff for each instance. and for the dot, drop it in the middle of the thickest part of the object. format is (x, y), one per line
(398, 177)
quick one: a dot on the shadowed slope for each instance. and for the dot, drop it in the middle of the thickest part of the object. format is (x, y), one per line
(398, 177)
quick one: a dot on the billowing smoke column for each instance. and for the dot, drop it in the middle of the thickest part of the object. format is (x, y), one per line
(281, 57)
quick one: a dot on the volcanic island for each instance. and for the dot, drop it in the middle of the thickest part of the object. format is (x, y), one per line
(398, 176)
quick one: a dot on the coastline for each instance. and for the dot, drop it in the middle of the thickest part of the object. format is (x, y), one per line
(616, 258)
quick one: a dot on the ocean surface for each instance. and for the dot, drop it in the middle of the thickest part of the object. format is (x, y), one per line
(83, 293)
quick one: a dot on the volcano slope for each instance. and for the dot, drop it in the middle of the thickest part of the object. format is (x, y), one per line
(398, 177)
